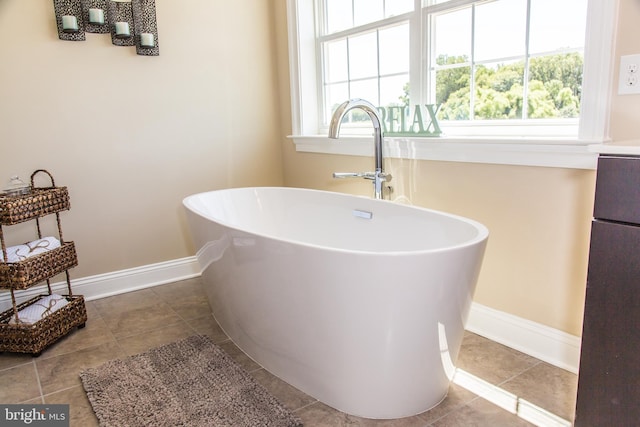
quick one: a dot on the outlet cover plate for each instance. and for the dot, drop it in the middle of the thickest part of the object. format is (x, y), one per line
(629, 80)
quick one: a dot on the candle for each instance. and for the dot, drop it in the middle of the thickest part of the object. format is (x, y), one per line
(122, 30)
(69, 24)
(96, 16)
(146, 40)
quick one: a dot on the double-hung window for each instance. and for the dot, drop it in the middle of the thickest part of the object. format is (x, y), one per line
(497, 71)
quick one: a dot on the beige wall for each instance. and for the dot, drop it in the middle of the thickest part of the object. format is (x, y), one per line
(539, 218)
(129, 135)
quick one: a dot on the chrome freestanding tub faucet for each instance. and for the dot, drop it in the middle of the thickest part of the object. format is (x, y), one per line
(379, 176)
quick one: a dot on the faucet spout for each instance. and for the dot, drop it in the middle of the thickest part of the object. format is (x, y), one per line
(370, 109)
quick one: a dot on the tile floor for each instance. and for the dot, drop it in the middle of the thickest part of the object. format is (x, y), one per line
(131, 323)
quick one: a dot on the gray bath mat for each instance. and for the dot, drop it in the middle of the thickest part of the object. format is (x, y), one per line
(187, 383)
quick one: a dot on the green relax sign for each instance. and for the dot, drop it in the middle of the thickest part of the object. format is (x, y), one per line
(402, 121)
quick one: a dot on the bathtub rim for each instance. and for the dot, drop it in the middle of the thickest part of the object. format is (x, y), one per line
(481, 236)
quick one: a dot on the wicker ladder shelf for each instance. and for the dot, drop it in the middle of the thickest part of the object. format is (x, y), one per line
(22, 337)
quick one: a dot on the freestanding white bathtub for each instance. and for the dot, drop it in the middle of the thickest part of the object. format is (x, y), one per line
(359, 303)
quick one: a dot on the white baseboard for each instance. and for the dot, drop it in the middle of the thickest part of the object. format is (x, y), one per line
(542, 342)
(550, 345)
(117, 282)
(508, 401)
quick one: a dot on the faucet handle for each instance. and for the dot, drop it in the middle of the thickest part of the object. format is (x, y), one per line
(341, 175)
(366, 175)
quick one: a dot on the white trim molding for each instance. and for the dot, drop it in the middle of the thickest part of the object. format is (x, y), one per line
(542, 342)
(544, 153)
(508, 401)
(116, 282)
(598, 78)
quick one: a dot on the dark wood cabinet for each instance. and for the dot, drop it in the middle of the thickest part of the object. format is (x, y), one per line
(618, 189)
(609, 376)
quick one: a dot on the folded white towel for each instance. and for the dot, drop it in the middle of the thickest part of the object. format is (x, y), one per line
(21, 252)
(40, 309)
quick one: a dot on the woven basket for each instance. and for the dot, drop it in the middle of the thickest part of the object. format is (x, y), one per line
(39, 202)
(33, 338)
(35, 269)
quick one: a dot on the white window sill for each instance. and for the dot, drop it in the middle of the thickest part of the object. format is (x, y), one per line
(545, 152)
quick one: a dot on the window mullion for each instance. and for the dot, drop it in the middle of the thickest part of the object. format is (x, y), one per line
(321, 88)
(353, 13)
(426, 78)
(450, 5)
(472, 77)
(365, 27)
(321, 28)
(348, 41)
(321, 19)
(525, 83)
(378, 63)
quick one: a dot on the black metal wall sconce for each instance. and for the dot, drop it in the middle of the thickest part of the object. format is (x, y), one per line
(69, 20)
(146, 27)
(120, 16)
(129, 22)
(94, 13)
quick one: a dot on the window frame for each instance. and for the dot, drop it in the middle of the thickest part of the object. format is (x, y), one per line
(569, 151)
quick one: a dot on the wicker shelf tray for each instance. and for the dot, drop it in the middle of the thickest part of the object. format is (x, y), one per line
(39, 202)
(33, 338)
(35, 269)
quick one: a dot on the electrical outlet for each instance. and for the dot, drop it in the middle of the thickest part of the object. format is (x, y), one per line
(629, 80)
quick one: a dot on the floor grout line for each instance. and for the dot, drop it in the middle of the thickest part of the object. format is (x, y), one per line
(35, 368)
(513, 377)
(16, 365)
(306, 406)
